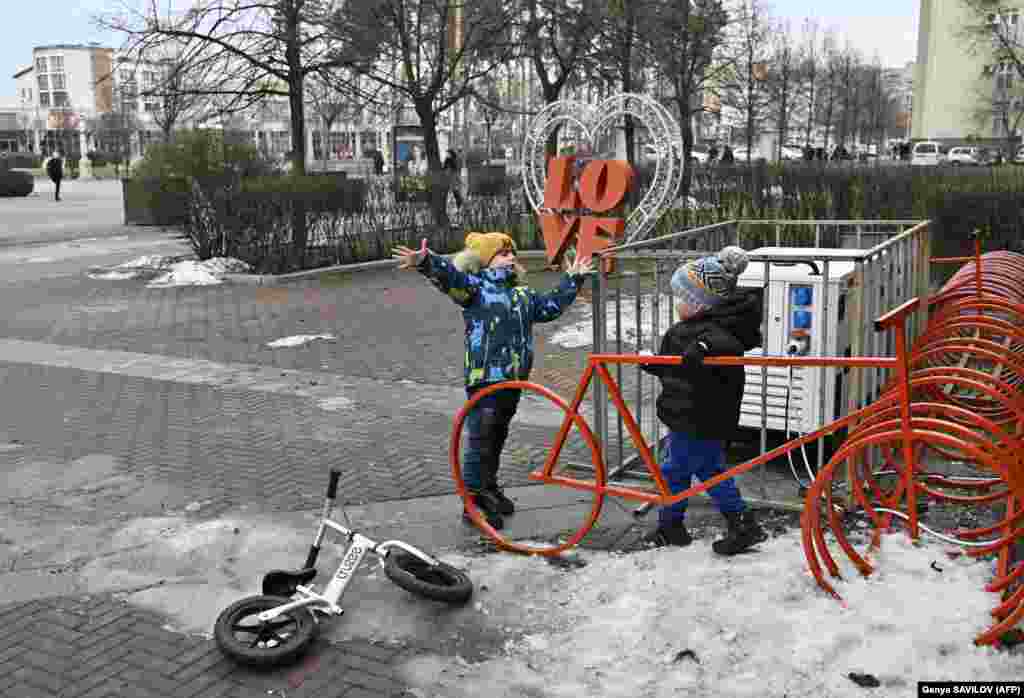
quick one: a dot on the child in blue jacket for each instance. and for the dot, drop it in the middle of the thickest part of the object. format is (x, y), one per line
(485, 280)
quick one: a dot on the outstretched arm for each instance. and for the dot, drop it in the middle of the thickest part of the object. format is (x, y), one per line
(457, 285)
(550, 306)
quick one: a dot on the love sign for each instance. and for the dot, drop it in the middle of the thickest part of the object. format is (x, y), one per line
(569, 206)
(589, 210)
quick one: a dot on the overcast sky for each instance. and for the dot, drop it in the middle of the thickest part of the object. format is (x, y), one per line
(885, 27)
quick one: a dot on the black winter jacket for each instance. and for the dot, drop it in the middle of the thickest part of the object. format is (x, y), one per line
(704, 401)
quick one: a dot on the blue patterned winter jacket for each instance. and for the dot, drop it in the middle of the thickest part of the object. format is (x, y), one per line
(499, 315)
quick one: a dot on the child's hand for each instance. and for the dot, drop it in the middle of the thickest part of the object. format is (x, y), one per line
(578, 267)
(409, 258)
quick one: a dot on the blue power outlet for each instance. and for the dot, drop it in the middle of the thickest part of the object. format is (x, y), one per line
(801, 295)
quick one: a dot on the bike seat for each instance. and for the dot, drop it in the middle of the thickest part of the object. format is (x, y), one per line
(285, 582)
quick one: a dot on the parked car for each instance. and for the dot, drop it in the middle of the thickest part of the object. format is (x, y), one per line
(1019, 157)
(927, 153)
(967, 155)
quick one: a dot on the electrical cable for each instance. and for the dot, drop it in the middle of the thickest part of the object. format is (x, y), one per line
(803, 451)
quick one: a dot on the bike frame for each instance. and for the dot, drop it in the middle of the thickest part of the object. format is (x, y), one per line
(358, 548)
(895, 319)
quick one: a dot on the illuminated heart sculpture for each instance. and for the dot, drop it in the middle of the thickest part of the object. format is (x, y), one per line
(591, 122)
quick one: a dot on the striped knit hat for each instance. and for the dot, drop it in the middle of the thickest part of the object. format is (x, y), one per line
(706, 282)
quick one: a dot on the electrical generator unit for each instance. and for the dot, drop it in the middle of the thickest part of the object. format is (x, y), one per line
(795, 319)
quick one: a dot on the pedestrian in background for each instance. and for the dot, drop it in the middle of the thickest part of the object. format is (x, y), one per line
(55, 170)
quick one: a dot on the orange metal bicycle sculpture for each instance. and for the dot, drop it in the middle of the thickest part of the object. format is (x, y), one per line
(927, 410)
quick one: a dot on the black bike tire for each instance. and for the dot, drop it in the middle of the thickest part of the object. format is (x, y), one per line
(407, 571)
(306, 632)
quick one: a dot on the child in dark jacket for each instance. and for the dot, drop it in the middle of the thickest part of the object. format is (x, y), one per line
(701, 404)
(486, 281)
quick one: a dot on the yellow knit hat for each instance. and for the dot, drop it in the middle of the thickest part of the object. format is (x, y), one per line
(487, 245)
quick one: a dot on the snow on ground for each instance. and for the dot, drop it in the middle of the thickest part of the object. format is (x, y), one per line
(672, 622)
(333, 404)
(193, 273)
(298, 340)
(581, 333)
(174, 270)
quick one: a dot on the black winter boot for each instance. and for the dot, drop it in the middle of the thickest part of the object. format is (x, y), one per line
(743, 532)
(494, 433)
(505, 505)
(488, 505)
(673, 533)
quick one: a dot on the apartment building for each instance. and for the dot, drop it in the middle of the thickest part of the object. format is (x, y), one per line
(959, 92)
(67, 88)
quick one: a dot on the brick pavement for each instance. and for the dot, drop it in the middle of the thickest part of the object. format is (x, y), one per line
(232, 447)
(100, 647)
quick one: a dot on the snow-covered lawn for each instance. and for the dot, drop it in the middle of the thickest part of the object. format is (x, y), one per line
(685, 622)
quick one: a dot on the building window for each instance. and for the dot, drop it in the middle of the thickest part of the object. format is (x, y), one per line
(148, 79)
(57, 81)
(44, 99)
(44, 82)
(60, 99)
(41, 64)
(151, 107)
(56, 64)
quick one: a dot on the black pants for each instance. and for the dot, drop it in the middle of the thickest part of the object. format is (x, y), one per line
(56, 182)
(487, 429)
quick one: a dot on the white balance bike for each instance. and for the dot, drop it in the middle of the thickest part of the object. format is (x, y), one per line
(278, 625)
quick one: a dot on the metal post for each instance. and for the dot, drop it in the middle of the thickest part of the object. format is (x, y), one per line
(869, 374)
(817, 234)
(618, 367)
(655, 337)
(826, 372)
(599, 342)
(764, 376)
(860, 231)
(638, 342)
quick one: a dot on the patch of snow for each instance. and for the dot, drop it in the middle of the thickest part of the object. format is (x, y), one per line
(193, 273)
(226, 265)
(187, 273)
(333, 404)
(684, 621)
(113, 275)
(298, 340)
(149, 261)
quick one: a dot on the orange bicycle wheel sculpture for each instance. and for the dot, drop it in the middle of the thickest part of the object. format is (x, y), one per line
(575, 515)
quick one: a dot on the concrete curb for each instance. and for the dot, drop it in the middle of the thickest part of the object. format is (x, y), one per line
(271, 279)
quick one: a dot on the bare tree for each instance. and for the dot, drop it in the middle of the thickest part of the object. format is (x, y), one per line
(687, 37)
(830, 87)
(782, 80)
(173, 101)
(488, 106)
(261, 47)
(624, 37)
(849, 89)
(810, 71)
(746, 90)
(429, 53)
(559, 40)
(876, 101)
(993, 32)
